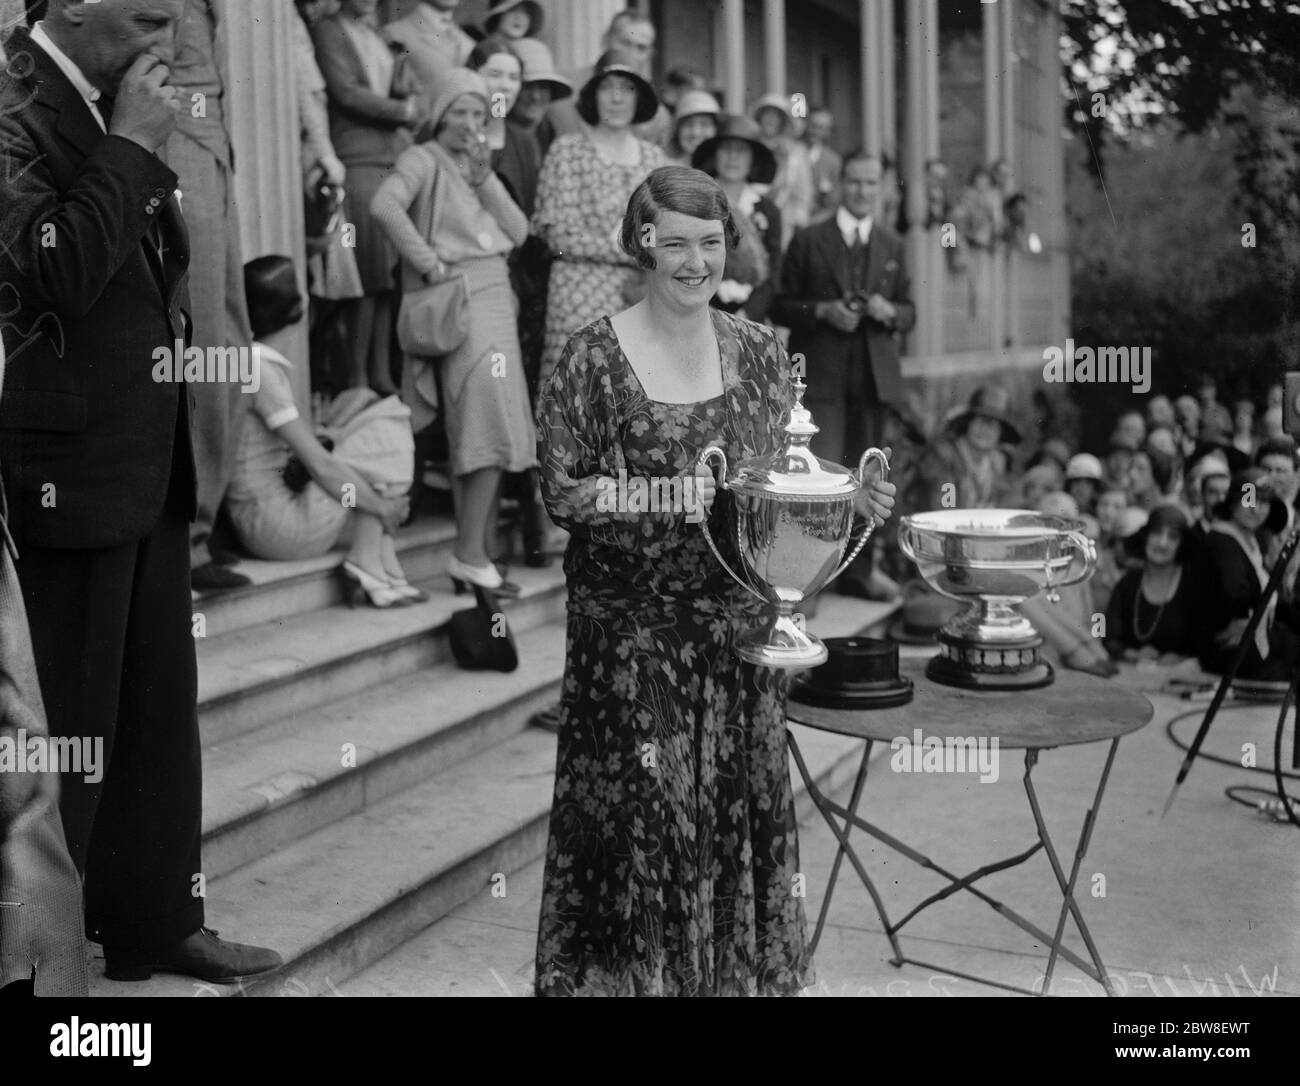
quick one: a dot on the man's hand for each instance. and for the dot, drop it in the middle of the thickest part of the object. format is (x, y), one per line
(839, 316)
(878, 309)
(147, 104)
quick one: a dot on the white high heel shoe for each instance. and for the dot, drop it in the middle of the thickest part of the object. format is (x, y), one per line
(484, 576)
(368, 588)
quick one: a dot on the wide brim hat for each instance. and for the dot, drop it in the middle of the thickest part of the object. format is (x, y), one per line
(1264, 492)
(450, 85)
(778, 102)
(539, 67)
(1170, 516)
(536, 14)
(763, 168)
(616, 62)
(993, 403)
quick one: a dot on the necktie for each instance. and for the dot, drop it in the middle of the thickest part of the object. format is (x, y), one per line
(104, 105)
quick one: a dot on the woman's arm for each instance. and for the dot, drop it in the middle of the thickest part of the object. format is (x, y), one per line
(332, 475)
(582, 475)
(496, 199)
(561, 219)
(391, 210)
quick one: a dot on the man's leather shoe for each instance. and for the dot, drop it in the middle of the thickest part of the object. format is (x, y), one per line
(211, 577)
(200, 955)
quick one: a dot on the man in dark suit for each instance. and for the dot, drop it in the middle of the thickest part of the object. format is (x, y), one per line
(96, 458)
(846, 297)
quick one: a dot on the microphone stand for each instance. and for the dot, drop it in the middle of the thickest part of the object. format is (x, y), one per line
(1247, 639)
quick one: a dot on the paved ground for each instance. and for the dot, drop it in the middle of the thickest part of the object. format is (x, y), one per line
(1201, 903)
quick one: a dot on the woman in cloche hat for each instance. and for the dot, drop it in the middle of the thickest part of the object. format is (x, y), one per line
(694, 121)
(741, 163)
(794, 189)
(468, 225)
(586, 181)
(966, 467)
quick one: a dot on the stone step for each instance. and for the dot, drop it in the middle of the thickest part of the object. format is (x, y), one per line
(342, 897)
(291, 778)
(252, 677)
(281, 590)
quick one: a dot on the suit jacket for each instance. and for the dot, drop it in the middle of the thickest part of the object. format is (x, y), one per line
(816, 269)
(365, 127)
(87, 435)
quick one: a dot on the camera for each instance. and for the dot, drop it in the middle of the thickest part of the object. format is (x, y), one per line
(857, 302)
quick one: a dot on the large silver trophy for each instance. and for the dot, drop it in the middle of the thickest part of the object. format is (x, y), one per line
(994, 560)
(793, 523)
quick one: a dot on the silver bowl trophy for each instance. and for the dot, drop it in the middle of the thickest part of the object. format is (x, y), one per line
(994, 560)
(793, 522)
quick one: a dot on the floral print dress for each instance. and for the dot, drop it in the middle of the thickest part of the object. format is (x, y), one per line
(673, 853)
(581, 200)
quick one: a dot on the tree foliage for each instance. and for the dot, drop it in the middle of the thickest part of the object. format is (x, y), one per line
(1198, 107)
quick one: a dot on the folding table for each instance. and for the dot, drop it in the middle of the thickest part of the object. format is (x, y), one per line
(1077, 708)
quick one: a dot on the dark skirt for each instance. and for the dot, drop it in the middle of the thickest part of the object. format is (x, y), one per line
(376, 258)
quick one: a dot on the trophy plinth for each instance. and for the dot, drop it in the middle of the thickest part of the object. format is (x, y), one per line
(993, 560)
(793, 524)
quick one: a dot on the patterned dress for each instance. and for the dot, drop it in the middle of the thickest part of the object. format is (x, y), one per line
(673, 853)
(581, 200)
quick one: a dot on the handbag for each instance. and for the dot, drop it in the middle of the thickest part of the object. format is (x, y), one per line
(433, 320)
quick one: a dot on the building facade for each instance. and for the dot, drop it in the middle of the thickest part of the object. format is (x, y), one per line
(966, 82)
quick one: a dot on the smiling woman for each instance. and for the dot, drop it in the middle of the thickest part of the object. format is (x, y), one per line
(673, 850)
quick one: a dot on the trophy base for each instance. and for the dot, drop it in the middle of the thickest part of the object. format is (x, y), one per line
(972, 665)
(783, 645)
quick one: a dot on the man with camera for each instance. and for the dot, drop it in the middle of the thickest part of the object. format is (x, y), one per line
(845, 295)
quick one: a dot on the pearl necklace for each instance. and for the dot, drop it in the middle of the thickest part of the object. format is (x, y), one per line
(1139, 636)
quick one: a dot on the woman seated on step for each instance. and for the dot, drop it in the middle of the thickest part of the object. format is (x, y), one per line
(293, 496)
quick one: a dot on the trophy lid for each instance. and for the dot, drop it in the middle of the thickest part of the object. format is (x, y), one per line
(793, 472)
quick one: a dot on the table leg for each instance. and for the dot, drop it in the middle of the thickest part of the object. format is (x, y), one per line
(824, 805)
(843, 845)
(1068, 903)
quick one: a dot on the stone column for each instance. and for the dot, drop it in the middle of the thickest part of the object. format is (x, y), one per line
(774, 68)
(925, 258)
(869, 31)
(733, 14)
(888, 90)
(575, 30)
(262, 111)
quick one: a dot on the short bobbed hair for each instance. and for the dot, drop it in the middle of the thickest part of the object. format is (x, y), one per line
(680, 189)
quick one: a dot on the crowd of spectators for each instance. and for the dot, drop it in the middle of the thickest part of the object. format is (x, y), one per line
(1188, 514)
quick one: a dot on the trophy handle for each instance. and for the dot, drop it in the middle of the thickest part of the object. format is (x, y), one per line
(870, 454)
(1081, 567)
(705, 460)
